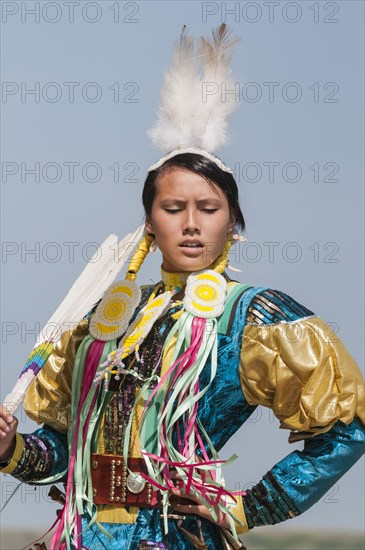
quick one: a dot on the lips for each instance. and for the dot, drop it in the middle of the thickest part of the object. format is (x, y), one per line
(191, 244)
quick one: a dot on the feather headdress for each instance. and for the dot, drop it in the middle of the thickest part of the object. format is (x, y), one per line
(196, 98)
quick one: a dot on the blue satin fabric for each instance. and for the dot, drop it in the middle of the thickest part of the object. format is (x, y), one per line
(307, 475)
(148, 527)
(59, 447)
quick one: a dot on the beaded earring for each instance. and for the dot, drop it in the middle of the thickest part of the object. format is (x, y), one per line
(153, 246)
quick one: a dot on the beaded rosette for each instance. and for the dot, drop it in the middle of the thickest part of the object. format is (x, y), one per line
(205, 294)
(115, 310)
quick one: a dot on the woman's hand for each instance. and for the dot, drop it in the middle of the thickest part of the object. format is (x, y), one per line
(190, 504)
(8, 427)
(196, 507)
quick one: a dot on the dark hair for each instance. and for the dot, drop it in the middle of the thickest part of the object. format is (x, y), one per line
(206, 168)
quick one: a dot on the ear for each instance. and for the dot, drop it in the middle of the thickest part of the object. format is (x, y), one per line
(232, 222)
(148, 225)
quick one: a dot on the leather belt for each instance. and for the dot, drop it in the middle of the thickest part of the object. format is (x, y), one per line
(114, 484)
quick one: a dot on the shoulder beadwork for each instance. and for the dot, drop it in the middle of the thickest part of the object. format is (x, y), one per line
(274, 306)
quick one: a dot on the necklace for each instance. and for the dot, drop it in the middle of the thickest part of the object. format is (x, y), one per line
(174, 281)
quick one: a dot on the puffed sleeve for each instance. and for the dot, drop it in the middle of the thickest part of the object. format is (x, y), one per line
(48, 398)
(303, 372)
(43, 454)
(292, 362)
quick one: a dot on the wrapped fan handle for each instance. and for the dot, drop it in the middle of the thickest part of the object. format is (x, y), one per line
(13, 401)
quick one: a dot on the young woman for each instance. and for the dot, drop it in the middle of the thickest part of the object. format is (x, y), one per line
(267, 350)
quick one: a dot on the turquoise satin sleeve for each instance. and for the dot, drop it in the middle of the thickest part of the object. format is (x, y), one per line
(293, 364)
(307, 475)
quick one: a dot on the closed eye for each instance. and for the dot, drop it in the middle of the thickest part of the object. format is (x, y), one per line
(174, 210)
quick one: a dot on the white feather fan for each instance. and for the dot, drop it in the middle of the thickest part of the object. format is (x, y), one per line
(86, 291)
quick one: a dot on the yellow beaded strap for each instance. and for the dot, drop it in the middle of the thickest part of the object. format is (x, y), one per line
(220, 264)
(139, 256)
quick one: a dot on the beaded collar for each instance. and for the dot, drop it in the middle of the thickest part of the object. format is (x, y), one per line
(174, 281)
(177, 281)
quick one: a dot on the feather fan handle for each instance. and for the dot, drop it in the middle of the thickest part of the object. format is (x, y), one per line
(87, 290)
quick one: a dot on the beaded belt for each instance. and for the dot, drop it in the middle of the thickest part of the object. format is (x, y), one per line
(114, 484)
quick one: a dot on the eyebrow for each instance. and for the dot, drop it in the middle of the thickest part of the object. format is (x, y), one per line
(180, 202)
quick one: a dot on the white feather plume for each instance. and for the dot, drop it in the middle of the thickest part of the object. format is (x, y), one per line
(185, 119)
(215, 57)
(175, 125)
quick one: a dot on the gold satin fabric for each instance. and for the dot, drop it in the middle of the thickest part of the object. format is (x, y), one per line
(238, 512)
(17, 453)
(49, 395)
(303, 372)
(116, 514)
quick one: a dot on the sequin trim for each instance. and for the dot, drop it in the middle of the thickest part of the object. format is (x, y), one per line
(36, 461)
(272, 306)
(267, 503)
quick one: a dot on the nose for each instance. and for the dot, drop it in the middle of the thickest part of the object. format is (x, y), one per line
(190, 222)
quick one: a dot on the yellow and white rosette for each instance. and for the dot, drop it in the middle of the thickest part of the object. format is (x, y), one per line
(205, 294)
(115, 310)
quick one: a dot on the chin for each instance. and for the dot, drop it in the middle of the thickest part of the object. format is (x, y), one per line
(193, 266)
(187, 264)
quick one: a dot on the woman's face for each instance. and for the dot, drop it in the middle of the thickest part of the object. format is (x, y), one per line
(190, 219)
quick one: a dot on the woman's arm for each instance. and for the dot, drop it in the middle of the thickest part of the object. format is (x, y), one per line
(302, 478)
(295, 365)
(37, 456)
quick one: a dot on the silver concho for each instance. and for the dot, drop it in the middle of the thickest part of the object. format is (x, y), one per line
(135, 483)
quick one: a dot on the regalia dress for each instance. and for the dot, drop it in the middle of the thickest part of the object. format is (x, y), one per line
(273, 352)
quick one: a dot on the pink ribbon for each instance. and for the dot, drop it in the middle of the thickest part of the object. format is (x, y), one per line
(91, 364)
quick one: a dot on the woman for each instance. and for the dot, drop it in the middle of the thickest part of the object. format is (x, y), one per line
(271, 351)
